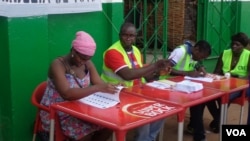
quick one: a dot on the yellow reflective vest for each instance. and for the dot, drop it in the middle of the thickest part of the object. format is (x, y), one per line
(184, 64)
(241, 67)
(109, 76)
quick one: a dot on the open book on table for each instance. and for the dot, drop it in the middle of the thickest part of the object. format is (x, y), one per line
(102, 100)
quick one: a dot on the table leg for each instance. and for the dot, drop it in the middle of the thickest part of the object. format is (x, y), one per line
(222, 114)
(113, 137)
(120, 135)
(52, 125)
(180, 117)
(180, 130)
(161, 134)
(52, 129)
(225, 113)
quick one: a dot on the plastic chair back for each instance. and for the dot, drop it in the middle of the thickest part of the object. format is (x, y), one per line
(35, 100)
(240, 101)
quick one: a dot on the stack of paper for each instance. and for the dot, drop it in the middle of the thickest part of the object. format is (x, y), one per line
(171, 83)
(188, 86)
(159, 85)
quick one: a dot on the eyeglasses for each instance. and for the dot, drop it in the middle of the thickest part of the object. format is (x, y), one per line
(128, 35)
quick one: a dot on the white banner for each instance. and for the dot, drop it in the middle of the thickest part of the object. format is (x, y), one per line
(24, 8)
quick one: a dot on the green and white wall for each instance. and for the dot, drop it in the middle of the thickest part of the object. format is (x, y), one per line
(27, 46)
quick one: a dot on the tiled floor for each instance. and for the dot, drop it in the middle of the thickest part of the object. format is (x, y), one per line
(170, 129)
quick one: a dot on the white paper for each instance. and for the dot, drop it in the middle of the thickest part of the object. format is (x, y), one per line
(188, 86)
(102, 100)
(205, 79)
(159, 85)
(171, 83)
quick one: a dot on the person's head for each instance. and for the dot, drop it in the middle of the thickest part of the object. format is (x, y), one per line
(127, 35)
(238, 42)
(201, 50)
(83, 48)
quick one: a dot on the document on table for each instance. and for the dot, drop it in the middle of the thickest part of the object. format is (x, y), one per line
(205, 79)
(159, 85)
(188, 86)
(102, 100)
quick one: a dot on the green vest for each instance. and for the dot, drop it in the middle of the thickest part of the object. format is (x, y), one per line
(241, 67)
(109, 76)
(184, 64)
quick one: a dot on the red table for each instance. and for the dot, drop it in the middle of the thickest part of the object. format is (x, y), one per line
(177, 97)
(133, 111)
(226, 85)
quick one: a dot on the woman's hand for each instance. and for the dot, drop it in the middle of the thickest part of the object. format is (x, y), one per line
(109, 88)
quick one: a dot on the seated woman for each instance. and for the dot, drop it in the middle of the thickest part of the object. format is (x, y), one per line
(73, 77)
(235, 61)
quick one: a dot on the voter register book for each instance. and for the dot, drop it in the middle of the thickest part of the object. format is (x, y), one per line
(102, 100)
(208, 78)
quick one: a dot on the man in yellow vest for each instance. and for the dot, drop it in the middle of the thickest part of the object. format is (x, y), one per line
(236, 62)
(123, 64)
(185, 60)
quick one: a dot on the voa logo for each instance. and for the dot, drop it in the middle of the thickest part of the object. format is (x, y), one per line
(236, 132)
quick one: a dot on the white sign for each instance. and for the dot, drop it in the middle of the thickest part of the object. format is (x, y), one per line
(24, 8)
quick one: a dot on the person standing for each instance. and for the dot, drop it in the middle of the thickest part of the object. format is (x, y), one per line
(123, 64)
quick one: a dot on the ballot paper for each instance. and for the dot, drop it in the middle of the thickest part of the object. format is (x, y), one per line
(102, 100)
(208, 78)
(188, 86)
(205, 79)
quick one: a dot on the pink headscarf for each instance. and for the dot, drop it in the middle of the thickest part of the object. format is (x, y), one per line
(84, 43)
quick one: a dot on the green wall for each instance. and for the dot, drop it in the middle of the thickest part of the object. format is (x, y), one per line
(5, 113)
(29, 44)
(218, 21)
(244, 18)
(62, 29)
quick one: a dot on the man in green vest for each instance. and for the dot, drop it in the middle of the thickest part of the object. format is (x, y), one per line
(236, 62)
(123, 64)
(185, 60)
